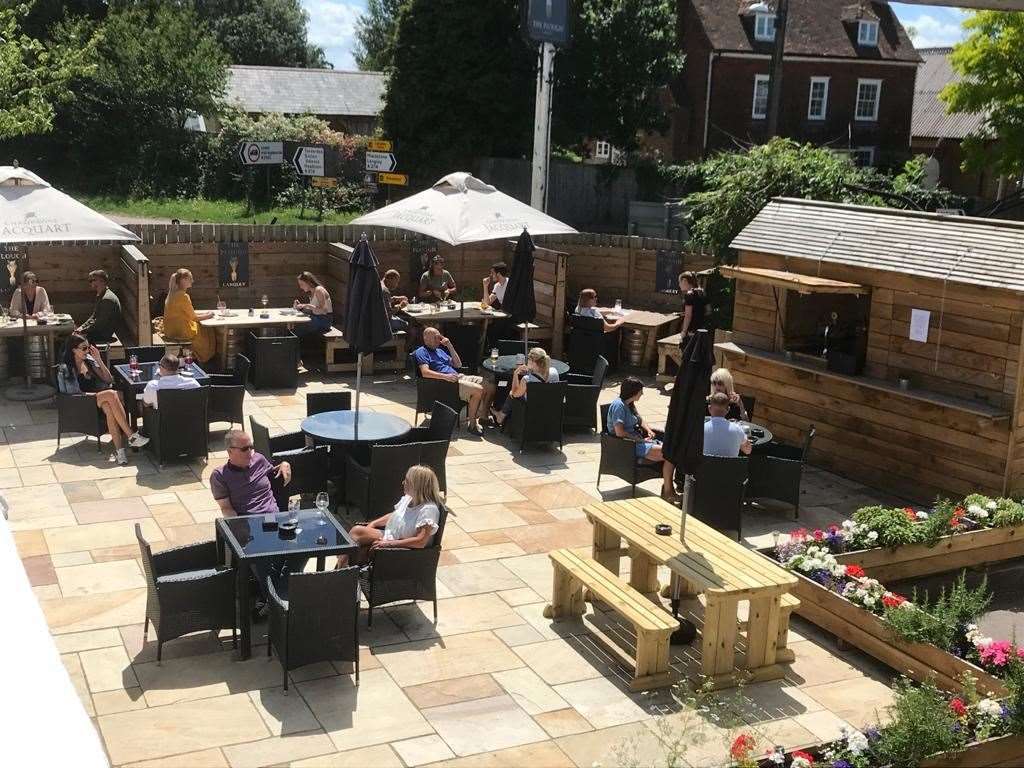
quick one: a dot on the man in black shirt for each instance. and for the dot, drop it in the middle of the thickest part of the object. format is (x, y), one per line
(106, 315)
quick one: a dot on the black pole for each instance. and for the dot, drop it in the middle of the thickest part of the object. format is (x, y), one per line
(775, 70)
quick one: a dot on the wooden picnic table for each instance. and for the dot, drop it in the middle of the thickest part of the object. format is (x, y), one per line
(228, 326)
(704, 562)
(467, 311)
(651, 324)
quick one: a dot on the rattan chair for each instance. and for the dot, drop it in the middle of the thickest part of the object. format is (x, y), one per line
(145, 354)
(586, 343)
(227, 394)
(178, 427)
(377, 487)
(443, 421)
(776, 471)
(430, 391)
(78, 414)
(720, 488)
(309, 463)
(582, 395)
(512, 347)
(395, 574)
(314, 617)
(322, 402)
(187, 591)
(537, 418)
(618, 458)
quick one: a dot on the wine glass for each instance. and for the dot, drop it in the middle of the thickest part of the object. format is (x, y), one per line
(222, 307)
(618, 306)
(264, 300)
(322, 502)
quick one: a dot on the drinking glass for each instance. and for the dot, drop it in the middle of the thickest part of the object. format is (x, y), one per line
(618, 305)
(293, 507)
(188, 357)
(222, 307)
(494, 354)
(323, 501)
(264, 300)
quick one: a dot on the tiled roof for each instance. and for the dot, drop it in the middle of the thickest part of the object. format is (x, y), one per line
(813, 28)
(930, 117)
(961, 249)
(318, 91)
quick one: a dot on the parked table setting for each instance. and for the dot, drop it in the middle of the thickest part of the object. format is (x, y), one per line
(757, 434)
(449, 311)
(50, 329)
(251, 538)
(504, 365)
(133, 385)
(653, 325)
(227, 323)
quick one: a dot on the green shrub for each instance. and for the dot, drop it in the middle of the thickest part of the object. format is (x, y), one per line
(893, 526)
(942, 623)
(921, 724)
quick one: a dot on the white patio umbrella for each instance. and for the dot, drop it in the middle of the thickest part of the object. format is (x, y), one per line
(32, 211)
(461, 208)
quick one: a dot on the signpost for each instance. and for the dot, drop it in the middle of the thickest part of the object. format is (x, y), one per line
(380, 161)
(379, 145)
(324, 182)
(309, 161)
(394, 179)
(261, 152)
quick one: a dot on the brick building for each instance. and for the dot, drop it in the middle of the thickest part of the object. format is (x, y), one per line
(848, 78)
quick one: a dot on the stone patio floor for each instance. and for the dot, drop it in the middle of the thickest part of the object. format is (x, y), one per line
(492, 684)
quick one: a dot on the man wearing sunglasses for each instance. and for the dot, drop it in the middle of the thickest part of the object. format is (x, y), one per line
(245, 485)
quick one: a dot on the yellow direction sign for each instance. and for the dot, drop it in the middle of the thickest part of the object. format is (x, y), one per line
(379, 145)
(325, 182)
(396, 179)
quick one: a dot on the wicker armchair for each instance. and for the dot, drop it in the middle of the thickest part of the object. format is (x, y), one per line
(618, 458)
(315, 617)
(776, 471)
(430, 391)
(403, 574)
(178, 427)
(321, 402)
(582, 395)
(377, 487)
(511, 347)
(586, 342)
(538, 417)
(79, 414)
(443, 421)
(187, 591)
(227, 393)
(145, 354)
(720, 487)
(309, 463)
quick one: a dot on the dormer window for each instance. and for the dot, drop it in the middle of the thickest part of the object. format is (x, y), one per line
(764, 27)
(867, 32)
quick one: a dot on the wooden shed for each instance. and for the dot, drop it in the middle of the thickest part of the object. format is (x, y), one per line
(897, 334)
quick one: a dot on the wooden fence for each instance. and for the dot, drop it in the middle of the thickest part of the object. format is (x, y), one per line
(132, 286)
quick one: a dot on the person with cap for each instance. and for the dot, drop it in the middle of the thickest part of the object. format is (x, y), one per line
(437, 283)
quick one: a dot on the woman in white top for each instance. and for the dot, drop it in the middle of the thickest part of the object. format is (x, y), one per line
(413, 523)
(30, 299)
(586, 305)
(319, 308)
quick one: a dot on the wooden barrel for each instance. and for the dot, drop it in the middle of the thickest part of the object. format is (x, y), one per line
(37, 357)
(235, 338)
(633, 346)
(5, 368)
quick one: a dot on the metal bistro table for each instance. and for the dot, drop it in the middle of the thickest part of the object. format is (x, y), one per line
(132, 386)
(342, 427)
(248, 541)
(227, 327)
(505, 365)
(757, 434)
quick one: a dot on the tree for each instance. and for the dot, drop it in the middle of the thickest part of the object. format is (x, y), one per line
(622, 53)
(266, 32)
(461, 86)
(990, 63)
(375, 34)
(34, 77)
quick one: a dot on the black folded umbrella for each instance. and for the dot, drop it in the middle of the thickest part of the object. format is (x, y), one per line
(684, 429)
(367, 321)
(519, 302)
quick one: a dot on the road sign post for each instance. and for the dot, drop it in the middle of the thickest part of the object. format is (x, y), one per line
(261, 152)
(393, 179)
(309, 161)
(381, 162)
(379, 145)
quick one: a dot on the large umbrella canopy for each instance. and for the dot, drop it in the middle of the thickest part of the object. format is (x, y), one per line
(684, 429)
(461, 208)
(367, 324)
(31, 211)
(519, 302)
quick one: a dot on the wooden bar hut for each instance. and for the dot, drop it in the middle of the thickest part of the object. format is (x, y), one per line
(896, 334)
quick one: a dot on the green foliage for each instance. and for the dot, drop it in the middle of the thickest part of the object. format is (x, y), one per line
(198, 209)
(265, 32)
(938, 523)
(1014, 679)
(375, 34)
(893, 526)
(34, 76)
(921, 724)
(989, 62)
(944, 621)
(1009, 516)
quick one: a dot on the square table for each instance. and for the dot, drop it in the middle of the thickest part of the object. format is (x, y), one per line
(132, 386)
(652, 324)
(229, 323)
(246, 540)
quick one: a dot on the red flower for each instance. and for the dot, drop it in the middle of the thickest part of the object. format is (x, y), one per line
(806, 756)
(892, 600)
(855, 572)
(799, 534)
(958, 707)
(742, 746)
(819, 534)
(909, 512)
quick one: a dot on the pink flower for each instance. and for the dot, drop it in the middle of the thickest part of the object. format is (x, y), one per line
(996, 653)
(819, 534)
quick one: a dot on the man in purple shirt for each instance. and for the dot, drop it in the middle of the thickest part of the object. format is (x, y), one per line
(243, 486)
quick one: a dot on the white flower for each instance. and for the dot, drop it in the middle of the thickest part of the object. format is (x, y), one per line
(922, 515)
(872, 535)
(991, 505)
(800, 762)
(908, 605)
(857, 742)
(869, 601)
(989, 708)
(981, 514)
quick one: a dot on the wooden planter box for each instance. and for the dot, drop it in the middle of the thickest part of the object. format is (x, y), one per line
(1000, 752)
(866, 631)
(987, 545)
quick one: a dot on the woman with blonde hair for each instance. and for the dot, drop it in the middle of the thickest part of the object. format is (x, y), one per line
(721, 381)
(413, 523)
(181, 321)
(537, 368)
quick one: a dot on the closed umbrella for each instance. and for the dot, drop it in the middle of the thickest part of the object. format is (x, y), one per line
(520, 303)
(684, 433)
(367, 323)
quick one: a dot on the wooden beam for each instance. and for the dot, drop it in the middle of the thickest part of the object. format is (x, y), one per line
(791, 280)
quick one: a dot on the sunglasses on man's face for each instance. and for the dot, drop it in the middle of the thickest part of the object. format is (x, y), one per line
(244, 448)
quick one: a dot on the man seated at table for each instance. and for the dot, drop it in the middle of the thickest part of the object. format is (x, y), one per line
(388, 284)
(437, 359)
(167, 377)
(494, 285)
(437, 283)
(105, 319)
(721, 436)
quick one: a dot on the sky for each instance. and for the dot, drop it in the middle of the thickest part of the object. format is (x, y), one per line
(332, 26)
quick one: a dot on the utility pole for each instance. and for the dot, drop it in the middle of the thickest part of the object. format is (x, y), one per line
(775, 70)
(542, 127)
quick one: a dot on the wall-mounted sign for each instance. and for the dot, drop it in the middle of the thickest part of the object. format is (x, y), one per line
(15, 259)
(546, 21)
(667, 266)
(232, 265)
(919, 320)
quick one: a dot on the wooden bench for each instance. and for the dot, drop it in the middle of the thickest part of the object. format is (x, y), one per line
(783, 653)
(668, 348)
(653, 625)
(334, 342)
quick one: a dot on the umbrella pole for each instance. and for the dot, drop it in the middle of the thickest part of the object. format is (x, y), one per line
(359, 379)
(687, 631)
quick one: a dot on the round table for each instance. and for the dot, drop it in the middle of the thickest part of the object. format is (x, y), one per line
(506, 364)
(339, 427)
(758, 435)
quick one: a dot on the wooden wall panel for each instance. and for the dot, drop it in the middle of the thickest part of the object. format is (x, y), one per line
(63, 271)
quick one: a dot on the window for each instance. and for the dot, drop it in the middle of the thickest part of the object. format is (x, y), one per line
(867, 32)
(868, 95)
(602, 150)
(817, 99)
(764, 27)
(863, 156)
(760, 107)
